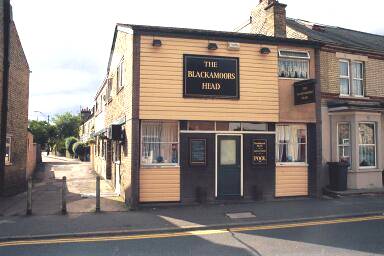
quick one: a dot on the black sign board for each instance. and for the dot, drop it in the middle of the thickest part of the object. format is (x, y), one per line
(197, 149)
(211, 76)
(259, 152)
(304, 91)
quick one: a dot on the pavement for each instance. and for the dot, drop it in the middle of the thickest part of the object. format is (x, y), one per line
(82, 220)
(47, 187)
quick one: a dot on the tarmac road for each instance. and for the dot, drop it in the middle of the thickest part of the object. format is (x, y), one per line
(344, 236)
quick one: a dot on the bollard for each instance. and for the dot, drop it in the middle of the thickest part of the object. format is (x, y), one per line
(98, 194)
(64, 196)
(29, 196)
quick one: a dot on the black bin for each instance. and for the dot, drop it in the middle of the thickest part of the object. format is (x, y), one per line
(338, 172)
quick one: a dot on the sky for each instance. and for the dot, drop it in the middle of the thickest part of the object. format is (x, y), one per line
(67, 43)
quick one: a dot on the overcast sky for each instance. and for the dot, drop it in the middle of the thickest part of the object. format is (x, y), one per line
(67, 43)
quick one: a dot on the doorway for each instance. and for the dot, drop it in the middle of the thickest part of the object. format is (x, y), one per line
(229, 167)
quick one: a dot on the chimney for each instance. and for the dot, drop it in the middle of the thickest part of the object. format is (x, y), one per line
(269, 18)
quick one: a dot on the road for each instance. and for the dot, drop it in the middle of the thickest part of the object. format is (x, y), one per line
(346, 236)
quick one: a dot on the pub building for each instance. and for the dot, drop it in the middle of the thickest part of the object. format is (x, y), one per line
(203, 116)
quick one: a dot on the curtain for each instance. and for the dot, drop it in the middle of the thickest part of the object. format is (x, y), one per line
(293, 68)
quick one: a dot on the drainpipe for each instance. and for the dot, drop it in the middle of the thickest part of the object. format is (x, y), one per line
(4, 102)
(319, 141)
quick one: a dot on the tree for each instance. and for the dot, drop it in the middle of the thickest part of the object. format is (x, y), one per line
(67, 125)
(69, 144)
(43, 132)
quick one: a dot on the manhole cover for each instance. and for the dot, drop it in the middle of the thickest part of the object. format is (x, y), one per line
(241, 215)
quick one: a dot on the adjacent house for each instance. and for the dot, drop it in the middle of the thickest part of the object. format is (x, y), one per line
(351, 65)
(188, 115)
(14, 105)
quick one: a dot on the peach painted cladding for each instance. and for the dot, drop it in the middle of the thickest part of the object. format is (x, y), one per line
(161, 82)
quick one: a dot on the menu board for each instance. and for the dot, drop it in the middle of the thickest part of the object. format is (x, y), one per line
(197, 149)
(259, 152)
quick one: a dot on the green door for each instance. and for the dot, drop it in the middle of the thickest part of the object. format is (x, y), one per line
(228, 166)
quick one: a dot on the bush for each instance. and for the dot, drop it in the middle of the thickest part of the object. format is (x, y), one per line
(69, 144)
(78, 148)
(59, 147)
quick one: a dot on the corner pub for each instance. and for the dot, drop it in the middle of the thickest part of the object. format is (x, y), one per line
(204, 116)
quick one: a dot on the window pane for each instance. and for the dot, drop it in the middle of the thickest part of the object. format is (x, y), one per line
(291, 68)
(228, 126)
(367, 155)
(357, 70)
(294, 54)
(159, 142)
(344, 86)
(345, 154)
(343, 134)
(357, 87)
(201, 126)
(255, 126)
(227, 152)
(291, 143)
(366, 133)
(344, 68)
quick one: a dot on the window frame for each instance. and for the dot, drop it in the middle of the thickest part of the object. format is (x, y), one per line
(344, 145)
(154, 165)
(8, 159)
(375, 144)
(345, 77)
(300, 126)
(358, 79)
(120, 75)
(287, 57)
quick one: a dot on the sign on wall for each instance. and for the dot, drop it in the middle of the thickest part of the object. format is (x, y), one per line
(211, 76)
(259, 152)
(198, 155)
(304, 91)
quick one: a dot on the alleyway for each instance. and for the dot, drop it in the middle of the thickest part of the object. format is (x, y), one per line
(46, 195)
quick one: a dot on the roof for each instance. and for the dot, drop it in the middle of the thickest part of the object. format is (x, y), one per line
(219, 35)
(338, 36)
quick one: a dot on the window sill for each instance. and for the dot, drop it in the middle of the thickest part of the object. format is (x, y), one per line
(291, 164)
(154, 166)
(341, 96)
(292, 78)
(366, 169)
(8, 163)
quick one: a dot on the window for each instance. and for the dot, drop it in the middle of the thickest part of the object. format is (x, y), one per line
(120, 75)
(228, 126)
(293, 64)
(254, 126)
(201, 126)
(367, 145)
(8, 150)
(160, 142)
(109, 89)
(351, 71)
(344, 77)
(291, 143)
(344, 142)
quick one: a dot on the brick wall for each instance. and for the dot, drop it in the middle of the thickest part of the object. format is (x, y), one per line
(17, 123)
(374, 74)
(329, 72)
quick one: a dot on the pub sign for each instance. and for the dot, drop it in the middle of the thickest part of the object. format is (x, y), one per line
(259, 152)
(211, 76)
(304, 91)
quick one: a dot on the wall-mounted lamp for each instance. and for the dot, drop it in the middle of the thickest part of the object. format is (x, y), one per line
(156, 43)
(265, 50)
(212, 46)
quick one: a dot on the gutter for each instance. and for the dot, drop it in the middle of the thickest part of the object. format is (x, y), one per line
(4, 102)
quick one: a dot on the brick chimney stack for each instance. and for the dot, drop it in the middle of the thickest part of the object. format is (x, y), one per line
(269, 18)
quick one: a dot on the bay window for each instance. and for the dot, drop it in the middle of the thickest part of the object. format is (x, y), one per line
(160, 142)
(344, 142)
(291, 143)
(293, 64)
(351, 78)
(367, 145)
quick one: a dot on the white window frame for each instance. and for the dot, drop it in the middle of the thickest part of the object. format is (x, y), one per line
(300, 126)
(375, 145)
(150, 165)
(8, 159)
(344, 145)
(288, 57)
(345, 77)
(358, 79)
(120, 75)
